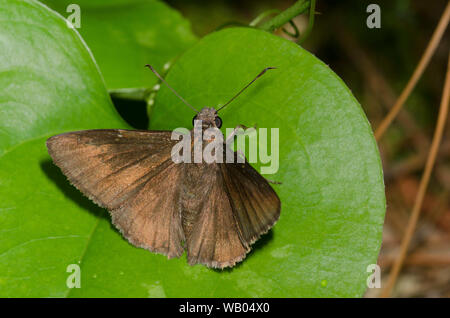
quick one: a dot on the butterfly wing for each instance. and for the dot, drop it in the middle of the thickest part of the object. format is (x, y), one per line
(255, 204)
(211, 231)
(235, 209)
(130, 173)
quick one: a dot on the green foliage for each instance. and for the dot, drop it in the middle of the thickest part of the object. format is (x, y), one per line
(332, 193)
(124, 35)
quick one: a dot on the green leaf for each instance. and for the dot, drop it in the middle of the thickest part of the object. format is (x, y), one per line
(332, 192)
(49, 84)
(49, 80)
(125, 35)
(332, 189)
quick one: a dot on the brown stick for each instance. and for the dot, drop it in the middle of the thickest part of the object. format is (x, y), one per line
(442, 117)
(424, 60)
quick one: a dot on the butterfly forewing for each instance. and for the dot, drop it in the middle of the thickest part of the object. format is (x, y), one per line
(131, 173)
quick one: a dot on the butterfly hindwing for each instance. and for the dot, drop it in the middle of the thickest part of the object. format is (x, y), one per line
(255, 204)
(212, 234)
(236, 206)
(151, 218)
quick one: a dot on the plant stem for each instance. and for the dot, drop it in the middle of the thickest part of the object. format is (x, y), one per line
(263, 15)
(281, 19)
(312, 12)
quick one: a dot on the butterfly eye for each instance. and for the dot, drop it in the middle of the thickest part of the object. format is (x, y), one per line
(218, 122)
(194, 119)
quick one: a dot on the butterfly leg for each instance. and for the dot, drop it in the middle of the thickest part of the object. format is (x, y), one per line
(236, 131)
(241, 154)
(273, 182)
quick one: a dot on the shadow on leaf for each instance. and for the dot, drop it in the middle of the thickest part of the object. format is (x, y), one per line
(55, 174)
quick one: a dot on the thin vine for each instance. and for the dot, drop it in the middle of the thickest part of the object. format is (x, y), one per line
(285, 16)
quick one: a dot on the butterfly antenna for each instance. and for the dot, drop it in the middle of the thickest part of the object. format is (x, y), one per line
(162, 80)
(257, 76)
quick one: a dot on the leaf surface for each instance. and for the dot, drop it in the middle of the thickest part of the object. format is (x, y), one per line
(126, 35)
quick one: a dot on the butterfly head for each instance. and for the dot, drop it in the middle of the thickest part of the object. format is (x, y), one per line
(209, 118)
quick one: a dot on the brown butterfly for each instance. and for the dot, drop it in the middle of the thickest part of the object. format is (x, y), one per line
(214, 211)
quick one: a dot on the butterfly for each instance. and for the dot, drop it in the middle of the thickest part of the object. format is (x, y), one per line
(214, 211)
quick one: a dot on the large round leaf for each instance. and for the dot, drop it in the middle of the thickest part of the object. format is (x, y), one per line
(124, 35)
(49, 84)
(332, 190)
